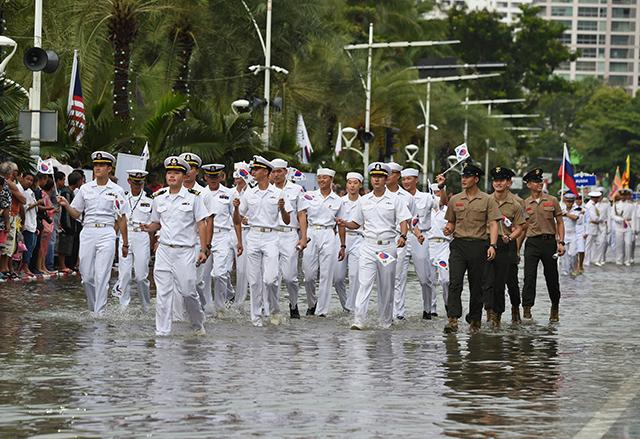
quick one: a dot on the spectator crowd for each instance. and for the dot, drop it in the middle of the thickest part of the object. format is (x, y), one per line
(37, 237)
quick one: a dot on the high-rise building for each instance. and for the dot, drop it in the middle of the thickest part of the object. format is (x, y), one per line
(605, 33)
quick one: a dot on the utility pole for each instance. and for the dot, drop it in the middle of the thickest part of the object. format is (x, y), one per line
(367, 85)
(34, 93)
(266, 133)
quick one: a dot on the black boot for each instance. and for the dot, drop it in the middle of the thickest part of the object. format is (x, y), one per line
(293, 312)
(426, 315)
(311, 311)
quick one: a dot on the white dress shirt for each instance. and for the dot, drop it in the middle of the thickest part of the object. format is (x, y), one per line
(178, 215)
(380, 216)
(261, 206)
(100, 204)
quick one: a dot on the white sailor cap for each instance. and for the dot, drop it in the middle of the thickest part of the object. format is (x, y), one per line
(624, 191)
(394, 167)
(378, 168)
(355, 175)
(569, 195)
(594, 194)
(102, 158)
(137, 174)
(326, 171)
(279, 164)
(260, 162)
(175, 163)
(213, 168)
(191, 158)
(409, 172)
(434, 187)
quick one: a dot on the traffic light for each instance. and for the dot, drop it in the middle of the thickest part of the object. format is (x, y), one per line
(390, 141)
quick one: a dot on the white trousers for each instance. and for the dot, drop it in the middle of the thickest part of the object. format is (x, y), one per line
(288, 261)
(222, 258)
(262, 271)
(350, 262)
(595, 248)
(419, 254)
(96, 253)
(175, 274)
(138, 259)
(624, 245)
(242, 281)
(439, 251)
(321, 253)
(371, 270)
(569, 259)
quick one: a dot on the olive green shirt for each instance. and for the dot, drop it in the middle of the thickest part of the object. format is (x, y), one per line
(472, 216)
(541, 215)
(512, 213)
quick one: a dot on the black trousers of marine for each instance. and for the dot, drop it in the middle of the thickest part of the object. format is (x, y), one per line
(497, 273)
(512, 284)
(540, 249)
(470, 256)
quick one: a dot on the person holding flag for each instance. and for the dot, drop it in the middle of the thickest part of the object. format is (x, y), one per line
(623, 212)
(103, 205)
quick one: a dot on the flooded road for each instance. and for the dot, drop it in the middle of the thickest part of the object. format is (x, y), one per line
(66, 375)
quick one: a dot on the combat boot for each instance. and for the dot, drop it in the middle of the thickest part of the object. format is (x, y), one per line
(492, 319)
(293, 312)
(554, 315)
(515, 315)
(526, 312)
(451, 326)
(498, 320)
(474, 326)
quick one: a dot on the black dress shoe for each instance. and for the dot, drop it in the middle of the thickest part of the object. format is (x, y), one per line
(322, 315)
(400, 317)
(311, 311)
(293, 312)
(467, 319)
(426, 315)
(434, 314)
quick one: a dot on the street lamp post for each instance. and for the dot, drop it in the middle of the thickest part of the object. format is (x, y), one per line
(267, 77)
(367, 84)
(35, 91)
(426, 111)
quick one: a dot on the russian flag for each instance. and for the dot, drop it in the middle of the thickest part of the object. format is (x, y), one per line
(565, 173)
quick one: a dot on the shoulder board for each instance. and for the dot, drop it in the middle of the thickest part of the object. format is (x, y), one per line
(160, 192)
(193, 191)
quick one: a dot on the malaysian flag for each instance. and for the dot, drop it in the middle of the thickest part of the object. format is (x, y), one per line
(75, 108)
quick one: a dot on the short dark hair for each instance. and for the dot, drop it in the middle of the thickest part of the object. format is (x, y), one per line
(75, 177)
(59, 175)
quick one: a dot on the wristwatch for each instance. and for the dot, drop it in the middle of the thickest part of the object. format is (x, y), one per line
(403, 236)
(561, 242)
(494, 246)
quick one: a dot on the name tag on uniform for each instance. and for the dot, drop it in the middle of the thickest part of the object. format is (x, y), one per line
(145, 205)
(385, 258)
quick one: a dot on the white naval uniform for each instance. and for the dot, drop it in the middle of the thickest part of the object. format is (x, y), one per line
(321, 252)
(101, 206)
(219, 203)
(242, 281)
(604, 229)
(379, 217)
(568, 260)
(636, 230)
(595, 238)
(175, 268)
(139, 251)
(439, 252)
(418, 253)
(288, 238)
(261, 209)
(622, 218)
(581, 227)
(353, 241)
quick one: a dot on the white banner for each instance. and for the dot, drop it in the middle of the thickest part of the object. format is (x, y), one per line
(125, 162)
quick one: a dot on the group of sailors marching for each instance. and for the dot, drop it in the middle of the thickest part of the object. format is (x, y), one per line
(200, 233)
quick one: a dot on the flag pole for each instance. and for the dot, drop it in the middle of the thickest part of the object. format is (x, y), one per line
(564, 161)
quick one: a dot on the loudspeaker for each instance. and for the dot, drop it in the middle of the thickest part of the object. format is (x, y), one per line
(367, 136)
(37, 59)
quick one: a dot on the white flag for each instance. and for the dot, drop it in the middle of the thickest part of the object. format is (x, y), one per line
(339, 140)
(302, 140)
(145, 151)
(462, 152)
(45, 166)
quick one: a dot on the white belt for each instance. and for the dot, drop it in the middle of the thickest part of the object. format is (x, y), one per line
(286, 229)
(354, 232)
(97, 225)
(134, 229)
(319, 227)
(425, 230)
(177, 245)
(438, 240)
(262, 229)
(220, 230)
(379, 241)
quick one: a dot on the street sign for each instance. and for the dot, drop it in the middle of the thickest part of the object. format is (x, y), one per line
(48, 125)
(516, 183)
(584, 180)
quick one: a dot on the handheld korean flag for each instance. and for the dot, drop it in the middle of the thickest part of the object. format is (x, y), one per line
(384, 258)
(462, 154)
(45, 166)
(442, 264)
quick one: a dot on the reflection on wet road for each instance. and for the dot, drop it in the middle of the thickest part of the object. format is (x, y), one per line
(65, 375)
